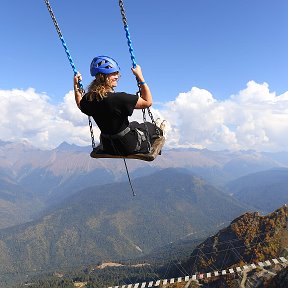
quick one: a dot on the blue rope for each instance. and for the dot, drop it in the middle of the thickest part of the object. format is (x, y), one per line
(62, 39)
(70, 59)
(131, 50)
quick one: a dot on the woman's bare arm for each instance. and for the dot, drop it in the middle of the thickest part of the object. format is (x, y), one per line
(145, 100)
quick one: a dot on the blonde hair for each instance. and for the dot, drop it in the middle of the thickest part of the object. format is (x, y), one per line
(99, 87)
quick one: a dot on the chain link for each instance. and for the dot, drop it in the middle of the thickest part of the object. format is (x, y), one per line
(53, 18)
(157, 129)
(122, 10)
(91, 132)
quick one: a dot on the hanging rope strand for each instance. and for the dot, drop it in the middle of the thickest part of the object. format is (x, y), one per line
(71, 63)
(129, 179)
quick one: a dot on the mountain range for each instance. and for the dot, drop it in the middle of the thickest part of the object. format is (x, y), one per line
(61, 209)
(33, 180)
(265, 190)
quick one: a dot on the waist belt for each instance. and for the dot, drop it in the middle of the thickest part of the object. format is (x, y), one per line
(118, 135)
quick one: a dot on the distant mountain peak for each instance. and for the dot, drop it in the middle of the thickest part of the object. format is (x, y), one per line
(3, 143)
(65, 146)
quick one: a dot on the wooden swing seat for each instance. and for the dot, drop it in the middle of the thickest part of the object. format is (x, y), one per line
(155, 151)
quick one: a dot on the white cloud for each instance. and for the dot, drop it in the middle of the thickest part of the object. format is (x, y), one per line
(254, 118)
(27, 115)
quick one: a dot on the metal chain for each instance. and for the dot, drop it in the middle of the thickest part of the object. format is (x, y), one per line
(157, 129)
(53, 18)
(71, 63)
(122, 10)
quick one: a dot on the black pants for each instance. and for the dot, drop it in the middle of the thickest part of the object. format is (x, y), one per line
(147, 127)
(127, 144)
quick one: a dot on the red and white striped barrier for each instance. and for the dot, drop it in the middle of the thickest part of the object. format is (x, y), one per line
(267, 263)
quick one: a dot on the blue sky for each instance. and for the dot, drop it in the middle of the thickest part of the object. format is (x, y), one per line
(215, 46)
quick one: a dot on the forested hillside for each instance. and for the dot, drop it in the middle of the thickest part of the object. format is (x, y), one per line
(265, 190)
(249, 239)
(106, 222)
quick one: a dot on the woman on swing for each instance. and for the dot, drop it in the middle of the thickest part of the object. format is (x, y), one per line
(110, 109)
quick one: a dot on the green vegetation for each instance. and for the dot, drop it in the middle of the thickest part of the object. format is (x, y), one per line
(93, 278)
(250, 238)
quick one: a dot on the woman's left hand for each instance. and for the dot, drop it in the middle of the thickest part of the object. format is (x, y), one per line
(77, 78)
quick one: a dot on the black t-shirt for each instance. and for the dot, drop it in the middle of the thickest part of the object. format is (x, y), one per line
(111, 116)
(111, 113)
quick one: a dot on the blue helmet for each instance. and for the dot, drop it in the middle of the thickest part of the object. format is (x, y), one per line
(103, 64)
